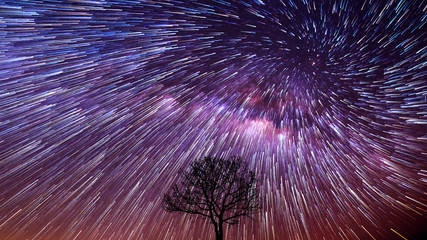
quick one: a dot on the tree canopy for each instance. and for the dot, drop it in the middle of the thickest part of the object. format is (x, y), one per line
(219, 189)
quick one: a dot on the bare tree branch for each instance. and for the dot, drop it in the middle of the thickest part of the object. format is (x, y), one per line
(219, 189)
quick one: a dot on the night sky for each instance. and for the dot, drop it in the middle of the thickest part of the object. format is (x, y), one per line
(103, 102)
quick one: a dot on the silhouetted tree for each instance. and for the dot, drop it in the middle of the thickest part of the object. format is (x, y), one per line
(219, 189)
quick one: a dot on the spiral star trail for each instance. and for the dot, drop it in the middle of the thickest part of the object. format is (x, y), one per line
(103, 102)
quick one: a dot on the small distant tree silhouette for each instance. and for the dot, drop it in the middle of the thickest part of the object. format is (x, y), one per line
(221, 190)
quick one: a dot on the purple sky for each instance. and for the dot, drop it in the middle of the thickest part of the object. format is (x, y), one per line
(103, 102)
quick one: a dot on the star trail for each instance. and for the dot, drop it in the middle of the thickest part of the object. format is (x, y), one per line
(103, 102)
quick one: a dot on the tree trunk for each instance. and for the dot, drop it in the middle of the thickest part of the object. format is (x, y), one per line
(219, 232)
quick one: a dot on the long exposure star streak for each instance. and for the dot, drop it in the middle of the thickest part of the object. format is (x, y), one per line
(103, 102)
